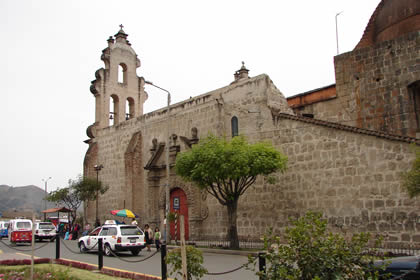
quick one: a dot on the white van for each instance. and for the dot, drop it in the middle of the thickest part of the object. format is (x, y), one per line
(20, 231)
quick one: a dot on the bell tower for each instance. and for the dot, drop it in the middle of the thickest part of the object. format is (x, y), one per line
(118, 91)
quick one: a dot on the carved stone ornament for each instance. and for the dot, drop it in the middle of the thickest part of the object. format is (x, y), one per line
(154, 143)
(203, 195)
(204, 213)
(194, 133)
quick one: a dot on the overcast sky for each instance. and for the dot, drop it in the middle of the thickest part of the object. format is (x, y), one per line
(50, 50)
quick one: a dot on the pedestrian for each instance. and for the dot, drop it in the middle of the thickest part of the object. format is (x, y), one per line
(61, 229)
(134, 222)
(148, 235)
(97, 223)
(75, 232)
(157, 238)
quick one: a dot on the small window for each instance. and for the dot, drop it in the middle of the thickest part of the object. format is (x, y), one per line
(131, 231)
(122, 73)
(414, 89)
(112, 231)
(95, 232)
(104, 232)
(235, 127)
(129, 108)
(113, 110)
(21, 225)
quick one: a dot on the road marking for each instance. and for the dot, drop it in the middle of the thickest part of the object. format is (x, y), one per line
(26, 255)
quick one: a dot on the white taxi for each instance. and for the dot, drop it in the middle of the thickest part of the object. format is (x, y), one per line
(45, 230)
(115, 238)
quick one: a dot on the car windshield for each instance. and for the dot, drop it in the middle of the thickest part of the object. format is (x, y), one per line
(23, 225)
(131, 231)
(46, 226)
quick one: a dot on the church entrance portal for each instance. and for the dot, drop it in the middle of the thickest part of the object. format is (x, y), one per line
(180, 206)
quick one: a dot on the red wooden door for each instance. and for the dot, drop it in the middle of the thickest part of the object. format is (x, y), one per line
(179, 205)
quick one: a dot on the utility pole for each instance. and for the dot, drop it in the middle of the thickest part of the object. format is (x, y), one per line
(336, 30)
(97, 169)
(168, 127)
(45, 196)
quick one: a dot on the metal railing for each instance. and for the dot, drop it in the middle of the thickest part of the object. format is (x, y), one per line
(221, 243)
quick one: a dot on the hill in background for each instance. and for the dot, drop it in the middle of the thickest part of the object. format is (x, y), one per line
(26, 198)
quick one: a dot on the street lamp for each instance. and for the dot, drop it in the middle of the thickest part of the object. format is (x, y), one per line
(45, 196)
(336, 30)
(166, 229)
(97, 169)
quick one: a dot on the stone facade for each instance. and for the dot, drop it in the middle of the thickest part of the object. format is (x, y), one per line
(377, 84)
(351, 174)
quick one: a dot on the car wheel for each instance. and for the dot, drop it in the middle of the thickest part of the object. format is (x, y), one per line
(135, 252)
(82, 247)
(107, 250)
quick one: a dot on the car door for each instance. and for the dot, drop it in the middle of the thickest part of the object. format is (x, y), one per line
(92, 240)
(104, 234)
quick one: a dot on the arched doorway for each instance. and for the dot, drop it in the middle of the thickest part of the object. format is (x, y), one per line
(180, 206)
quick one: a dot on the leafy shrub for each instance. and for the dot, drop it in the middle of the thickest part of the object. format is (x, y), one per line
(313, 253)
(195, 269)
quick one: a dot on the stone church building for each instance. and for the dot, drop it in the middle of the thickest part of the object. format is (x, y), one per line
(347, 143)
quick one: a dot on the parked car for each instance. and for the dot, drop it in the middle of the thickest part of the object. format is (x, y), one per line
(115, 238)
(408, 267)
(20, 231)
(3, 229)
(45, 230)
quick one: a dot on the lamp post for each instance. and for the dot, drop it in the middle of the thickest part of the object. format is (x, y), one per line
(336, 30)
(168, 119)
(97, 169)
(45, 196)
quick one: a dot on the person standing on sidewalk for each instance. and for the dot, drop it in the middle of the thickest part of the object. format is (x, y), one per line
(148, 234)
(157, 238)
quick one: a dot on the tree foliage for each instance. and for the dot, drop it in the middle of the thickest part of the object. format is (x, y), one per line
(227, 169)
(311, 252)
(77, 191)
(411, 179)
(195, 269)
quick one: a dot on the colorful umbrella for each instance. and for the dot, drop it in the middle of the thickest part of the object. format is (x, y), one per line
(124, 213)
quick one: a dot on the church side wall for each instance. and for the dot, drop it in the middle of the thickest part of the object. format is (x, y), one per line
(372, 85)
(353, 179)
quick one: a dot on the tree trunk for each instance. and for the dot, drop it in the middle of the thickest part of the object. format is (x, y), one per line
(232, 230)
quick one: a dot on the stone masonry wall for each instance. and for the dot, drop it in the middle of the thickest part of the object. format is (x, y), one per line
(354, 179)
(372, 85)
(351, 177)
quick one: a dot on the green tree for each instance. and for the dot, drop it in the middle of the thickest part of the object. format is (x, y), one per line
(227, 169)
(79, 190)
(411, 179)
(195, 269)
(311, 252)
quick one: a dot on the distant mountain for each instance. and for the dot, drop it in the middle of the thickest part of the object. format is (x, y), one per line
(26, 198)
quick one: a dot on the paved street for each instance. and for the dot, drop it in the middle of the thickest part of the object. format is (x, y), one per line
(213, 262)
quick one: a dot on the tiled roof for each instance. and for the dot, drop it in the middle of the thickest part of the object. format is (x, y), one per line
(379, 134)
